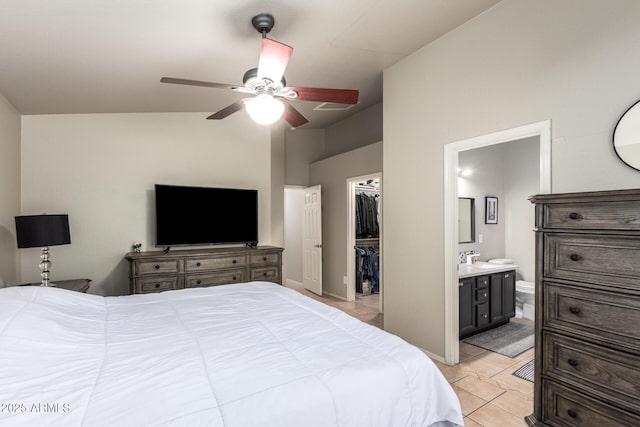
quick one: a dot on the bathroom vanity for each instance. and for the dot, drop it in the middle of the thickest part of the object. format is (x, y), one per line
(487, 297)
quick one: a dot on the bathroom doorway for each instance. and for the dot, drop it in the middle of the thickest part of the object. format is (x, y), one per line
(537, 133)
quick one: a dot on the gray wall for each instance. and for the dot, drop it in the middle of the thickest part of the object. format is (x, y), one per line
(302, 147)
(332, 174)
(10, 124)
(293, 214)
(100, 169)
(521, 180)
(518, 63)
(511, 172)
(356, 131)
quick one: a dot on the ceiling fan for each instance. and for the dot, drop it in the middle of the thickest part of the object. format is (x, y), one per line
(268, 84)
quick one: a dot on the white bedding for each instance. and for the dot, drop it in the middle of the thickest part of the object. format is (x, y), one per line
(254, 354)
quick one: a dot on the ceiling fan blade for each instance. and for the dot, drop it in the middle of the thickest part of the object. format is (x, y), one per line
(293, 116)
(274, 57)
(196, 83)
(227, 111)
(337, 96)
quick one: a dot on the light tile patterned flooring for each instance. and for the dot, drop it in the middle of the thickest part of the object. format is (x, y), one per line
(489, 395)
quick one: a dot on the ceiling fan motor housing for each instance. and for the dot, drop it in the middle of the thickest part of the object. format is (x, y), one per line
(263, 22)
(251, 81)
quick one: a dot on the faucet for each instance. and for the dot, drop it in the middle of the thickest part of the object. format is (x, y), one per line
(471, 259)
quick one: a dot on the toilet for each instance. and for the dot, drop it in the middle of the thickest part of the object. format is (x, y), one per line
(525, 299)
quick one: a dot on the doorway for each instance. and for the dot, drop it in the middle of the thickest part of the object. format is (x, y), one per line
(541, 130)
(364, 241)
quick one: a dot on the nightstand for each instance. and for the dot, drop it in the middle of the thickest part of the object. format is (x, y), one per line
(78, 285)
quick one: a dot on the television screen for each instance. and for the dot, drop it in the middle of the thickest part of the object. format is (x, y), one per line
(203, 215)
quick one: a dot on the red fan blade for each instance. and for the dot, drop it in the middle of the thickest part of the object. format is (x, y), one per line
(337, 96)
(293, 116)
(196, 83)
(274, 57)
(227, 111)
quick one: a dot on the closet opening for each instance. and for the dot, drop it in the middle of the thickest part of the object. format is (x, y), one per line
(364, 250)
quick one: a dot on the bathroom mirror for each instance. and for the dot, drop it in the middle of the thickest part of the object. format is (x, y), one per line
(466, 220)
(626, 137)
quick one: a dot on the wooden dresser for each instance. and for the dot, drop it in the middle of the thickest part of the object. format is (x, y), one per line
(158, 271)
(587, 367)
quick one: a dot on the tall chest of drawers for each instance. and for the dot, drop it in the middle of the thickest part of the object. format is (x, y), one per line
(587, 356)
(159, 271)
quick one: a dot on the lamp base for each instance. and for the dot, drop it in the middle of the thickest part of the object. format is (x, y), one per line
(44, 265)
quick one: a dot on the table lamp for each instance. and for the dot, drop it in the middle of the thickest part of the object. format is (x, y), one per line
(43, 231)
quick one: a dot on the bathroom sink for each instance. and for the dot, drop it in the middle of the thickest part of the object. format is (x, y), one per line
(489, 266)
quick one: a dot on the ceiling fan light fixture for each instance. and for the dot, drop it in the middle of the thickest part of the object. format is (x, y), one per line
(264, 109)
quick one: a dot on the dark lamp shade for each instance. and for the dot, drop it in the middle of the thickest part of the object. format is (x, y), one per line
(42, 230)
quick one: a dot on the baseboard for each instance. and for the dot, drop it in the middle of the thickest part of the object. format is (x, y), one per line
(434, 356)
(290, 283)
(336, 296)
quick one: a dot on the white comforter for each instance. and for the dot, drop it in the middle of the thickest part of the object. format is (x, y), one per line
(254, 354)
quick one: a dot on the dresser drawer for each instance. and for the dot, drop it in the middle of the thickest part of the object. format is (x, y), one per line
(482, 282)
(210, 263)
(264, 259)
(602, 315)
(158, 266)
(609, 260)
(482, 314)
(147, 285)
(623, 215)
(213, 279)
(565, 407)
(613, 373)
(267, 274)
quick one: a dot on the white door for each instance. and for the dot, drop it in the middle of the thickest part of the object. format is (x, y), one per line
(312, 240)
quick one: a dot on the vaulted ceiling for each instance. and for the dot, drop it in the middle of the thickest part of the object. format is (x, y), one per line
(107, 56)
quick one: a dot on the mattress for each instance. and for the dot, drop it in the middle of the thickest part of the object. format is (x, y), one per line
(251, 354)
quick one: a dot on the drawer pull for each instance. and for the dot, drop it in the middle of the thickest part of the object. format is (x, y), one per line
(573, 362)
(484, 316)
(198, 264)
(264, 274)
(264, 258)
(198, 281)
(484, 294)
(574, 215)
(460, 284)
(575, 257)
(572, 413)
(506, 276)
(157, 285)
(157, 267)
(235, 278)
(233, 262)
(574, 310)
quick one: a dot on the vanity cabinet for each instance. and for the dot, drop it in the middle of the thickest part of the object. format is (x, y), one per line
(485, 302)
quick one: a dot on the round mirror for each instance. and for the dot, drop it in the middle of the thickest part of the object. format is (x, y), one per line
(626, 137)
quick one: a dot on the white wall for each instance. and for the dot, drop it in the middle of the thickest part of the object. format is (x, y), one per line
(10, 124)
(520, 62)
(100, 169)
(332, 174)
(293, 214)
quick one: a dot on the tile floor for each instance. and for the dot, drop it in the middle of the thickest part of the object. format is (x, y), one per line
(489, 395)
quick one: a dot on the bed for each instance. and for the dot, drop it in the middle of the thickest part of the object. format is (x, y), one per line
(251, 354)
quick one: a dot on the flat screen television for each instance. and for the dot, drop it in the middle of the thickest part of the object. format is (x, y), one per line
(205, 215)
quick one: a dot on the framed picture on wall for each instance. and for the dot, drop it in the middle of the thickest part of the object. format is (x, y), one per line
(490, 210)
